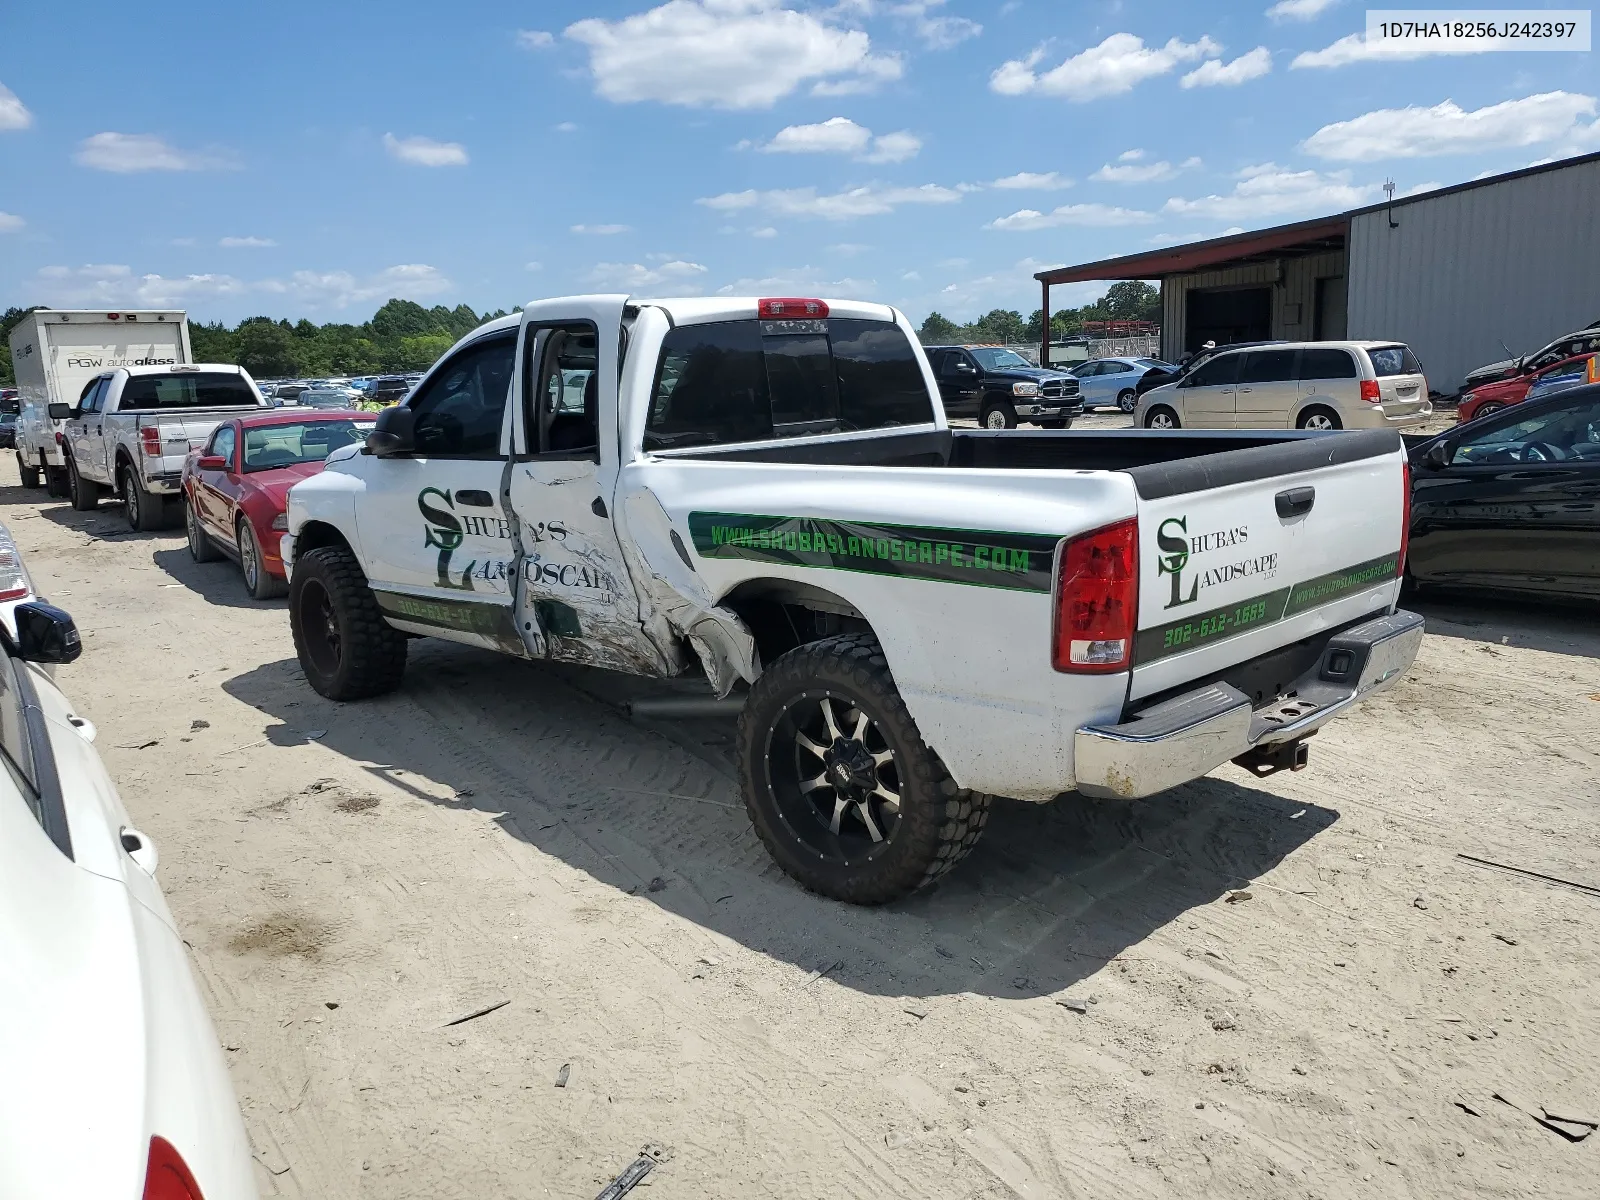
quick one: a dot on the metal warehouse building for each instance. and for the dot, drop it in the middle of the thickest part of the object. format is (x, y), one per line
(1459, 273)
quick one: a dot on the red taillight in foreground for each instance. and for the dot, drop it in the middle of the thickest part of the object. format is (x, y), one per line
(1405, 520)
(790, 307)
(150, 439)
(1370, 392)
(167, 1176)
(1097, 601)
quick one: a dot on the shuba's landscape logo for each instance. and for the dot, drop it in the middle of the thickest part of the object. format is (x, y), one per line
(444, 532)
(1174, 558)
(1177, 548)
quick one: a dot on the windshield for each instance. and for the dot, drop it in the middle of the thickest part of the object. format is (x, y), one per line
(995, 359)
(270, 446)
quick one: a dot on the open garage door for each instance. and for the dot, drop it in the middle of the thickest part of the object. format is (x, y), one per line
(1226, 315)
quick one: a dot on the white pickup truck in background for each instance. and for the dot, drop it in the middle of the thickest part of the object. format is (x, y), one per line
(58, 352)
(768, 491)
(134, 426)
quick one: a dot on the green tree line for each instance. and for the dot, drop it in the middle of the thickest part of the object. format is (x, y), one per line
(401, 336)
(1130, 300)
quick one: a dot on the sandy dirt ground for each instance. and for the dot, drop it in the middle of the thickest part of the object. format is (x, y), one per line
(1290, 987)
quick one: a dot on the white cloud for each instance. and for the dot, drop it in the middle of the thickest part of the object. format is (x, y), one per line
(13, 114)
(912, 277)
(836, 135)
(1130, 156)
(535, 39)
(1134, 172)
(1448, 129)
(799, 281)
(98, 284)
(1354, 48)
(1112, 68)
(250, 242)
(340, 289)
(1216, 73)
(1416, 189)
(901, 146)
(567, 127)
(869, 201)
(1033, 181)
(727, 54)
(425, 152)
(602, 230)
(1098, 215)
(937, 33)
(10, 222)
(533, 266)
(766, 231)
(637, 275)
(1269, 190)
(1299, 10)
(125, 153)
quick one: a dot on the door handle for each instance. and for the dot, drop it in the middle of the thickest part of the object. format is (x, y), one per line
(1295, 502)
(1244, 389)
(475, 497)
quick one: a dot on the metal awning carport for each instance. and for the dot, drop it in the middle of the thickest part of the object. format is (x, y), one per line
(1237, 249)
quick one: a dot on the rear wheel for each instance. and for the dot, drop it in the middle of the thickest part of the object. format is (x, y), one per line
(55, 480)
(1161, 417)
(1320, 418)
(998, 414)
(29, 473)
(345, 647)
(839, 784)
(262, 583)
(144, 511)
(85, 495)
(1127, 400)
(201, 547)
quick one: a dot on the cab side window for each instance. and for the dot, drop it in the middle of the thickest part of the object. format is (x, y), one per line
(93, 394)
(563, 409)
(1560, 435)
(460, 409)
(1224, 369)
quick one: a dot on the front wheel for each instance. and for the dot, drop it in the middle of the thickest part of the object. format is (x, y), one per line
(345, 647)
(30, 474)
(85, 495)
(262, 583)
(1127, 400)
(1319, 418)
(1161, 417)
(839, 785)
(998, 414)
(1484, 410)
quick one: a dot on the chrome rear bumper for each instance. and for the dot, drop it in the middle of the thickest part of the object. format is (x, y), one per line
(1185, 737)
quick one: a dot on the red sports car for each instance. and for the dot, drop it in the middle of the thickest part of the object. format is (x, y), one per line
(1492, 397)
(236, 489)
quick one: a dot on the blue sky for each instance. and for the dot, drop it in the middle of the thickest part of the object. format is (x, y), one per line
(301, 159)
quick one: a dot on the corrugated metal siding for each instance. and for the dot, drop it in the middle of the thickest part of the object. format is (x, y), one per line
(1517, 262)
(1299, 287)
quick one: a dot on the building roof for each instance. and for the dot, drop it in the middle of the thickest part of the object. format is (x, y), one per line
(1301, 237)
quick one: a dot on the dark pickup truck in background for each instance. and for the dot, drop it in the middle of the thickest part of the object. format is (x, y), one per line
(1000, 388)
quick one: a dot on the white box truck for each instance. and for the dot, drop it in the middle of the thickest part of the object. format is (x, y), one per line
(57, 353)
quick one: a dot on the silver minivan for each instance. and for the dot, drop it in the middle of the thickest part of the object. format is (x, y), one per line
(1295, 385)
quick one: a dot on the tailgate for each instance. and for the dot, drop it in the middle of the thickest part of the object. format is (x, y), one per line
(1224, 578)
(1402, 395)
(181, 432)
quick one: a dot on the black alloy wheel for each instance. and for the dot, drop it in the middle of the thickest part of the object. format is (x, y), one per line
(345, 647)
(834, 777)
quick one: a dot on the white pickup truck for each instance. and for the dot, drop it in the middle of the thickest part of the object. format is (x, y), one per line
(133, 427)
(768, 491)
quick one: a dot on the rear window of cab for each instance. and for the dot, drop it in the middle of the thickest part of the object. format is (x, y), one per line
(750, 381)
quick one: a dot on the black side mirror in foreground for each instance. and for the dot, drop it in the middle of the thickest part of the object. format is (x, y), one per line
(1439, 455)
(61, 412)
(46, 634)
(394, 433)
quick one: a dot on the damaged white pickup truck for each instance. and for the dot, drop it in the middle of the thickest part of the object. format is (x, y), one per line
(768, 491)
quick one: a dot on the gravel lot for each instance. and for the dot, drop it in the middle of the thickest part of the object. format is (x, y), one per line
(1290, 987)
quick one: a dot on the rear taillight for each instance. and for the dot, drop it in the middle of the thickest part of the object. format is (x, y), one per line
(150, 439)
(167, 1176)
(1097, 600)
(13, 579)
(1405, 520)
(1370, 392)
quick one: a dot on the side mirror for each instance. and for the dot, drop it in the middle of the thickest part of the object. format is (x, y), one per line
(212, 462)
(1439, 455)
(46, 634)
(394, 434)
(63, 412)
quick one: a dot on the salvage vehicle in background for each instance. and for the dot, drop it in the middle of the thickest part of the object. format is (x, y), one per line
(1493, 396)
(1115, 381)
(999, 387)
(235, 487)
(1294, 385)
(8, 430)
(768, 490)
(115, 1082)
(1510, 502)
(133, 427)
(58, 353)
(1581, 341)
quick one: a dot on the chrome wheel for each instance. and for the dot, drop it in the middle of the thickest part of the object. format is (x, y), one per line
(994, 419)
(130, 498)
(1493, 406)
(1161, 419)
(1318, 421)
(249, 558)
(834, 777)
(1127, 400)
